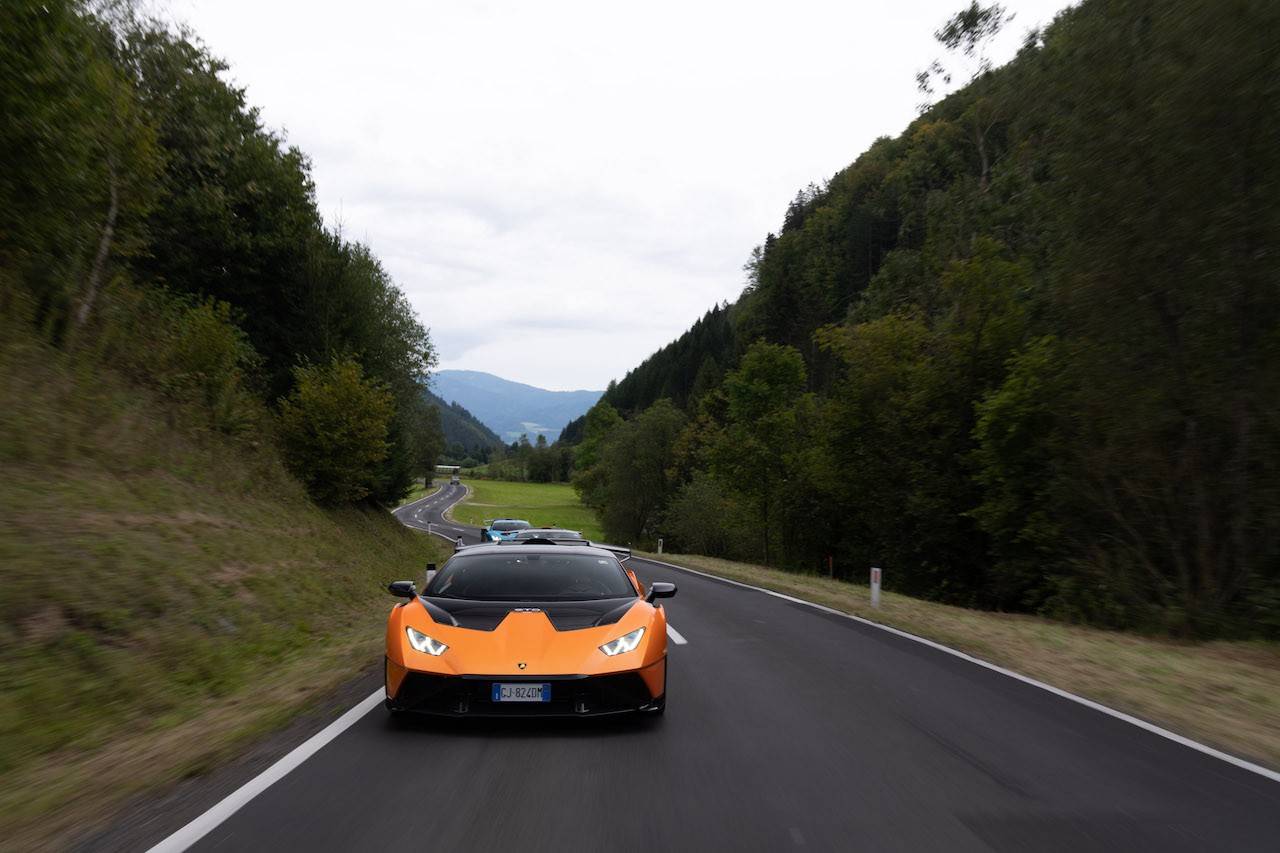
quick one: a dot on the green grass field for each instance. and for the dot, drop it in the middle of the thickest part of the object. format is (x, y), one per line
(541, 504)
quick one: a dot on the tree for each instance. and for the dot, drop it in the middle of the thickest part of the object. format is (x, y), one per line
(333, 427)
(759, 434)
(80, 163)
(426, 436)
(190, 351)
(239, 211)
(1165, 167)
(359, 309)
(969, 32)
(635, 461)
(699, 519)
(589, 478)
(1021, 435)
(543, 462)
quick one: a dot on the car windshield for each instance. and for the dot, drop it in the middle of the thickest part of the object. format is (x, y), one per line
(543, 576)
(510, 525)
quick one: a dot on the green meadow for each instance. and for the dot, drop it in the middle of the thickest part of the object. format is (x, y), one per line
(541, 504)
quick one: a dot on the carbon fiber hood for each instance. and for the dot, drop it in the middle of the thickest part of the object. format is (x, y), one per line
(564, 615)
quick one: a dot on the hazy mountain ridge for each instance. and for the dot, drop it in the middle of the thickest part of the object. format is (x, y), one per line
(512, 409)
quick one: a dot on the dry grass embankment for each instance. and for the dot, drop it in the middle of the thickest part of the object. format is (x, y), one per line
(167, 596)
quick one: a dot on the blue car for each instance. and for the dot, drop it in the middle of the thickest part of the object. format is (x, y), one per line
(502, 529)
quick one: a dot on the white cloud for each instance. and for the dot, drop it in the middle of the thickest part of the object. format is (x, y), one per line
(562, 188)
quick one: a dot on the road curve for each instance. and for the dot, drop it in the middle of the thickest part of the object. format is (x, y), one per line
(427, 513)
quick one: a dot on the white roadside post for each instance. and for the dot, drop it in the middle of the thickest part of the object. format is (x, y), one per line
(659, 546)
(875, 587)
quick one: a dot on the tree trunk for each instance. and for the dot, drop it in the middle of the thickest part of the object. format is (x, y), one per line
(104, 247)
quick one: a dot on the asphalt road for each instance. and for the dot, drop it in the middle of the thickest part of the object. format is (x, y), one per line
(428, 514)
(788, 728)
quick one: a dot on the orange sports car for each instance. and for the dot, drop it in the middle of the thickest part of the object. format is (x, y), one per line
(541, 629)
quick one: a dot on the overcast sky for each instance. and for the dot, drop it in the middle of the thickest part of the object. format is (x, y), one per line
(562, 188)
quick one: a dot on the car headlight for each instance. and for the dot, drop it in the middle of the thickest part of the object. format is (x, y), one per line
(423, 643)
(623, 644)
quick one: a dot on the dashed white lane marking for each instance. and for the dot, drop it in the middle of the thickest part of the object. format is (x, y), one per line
(675, 636)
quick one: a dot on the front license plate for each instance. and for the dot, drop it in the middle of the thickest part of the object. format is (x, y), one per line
(522, 692)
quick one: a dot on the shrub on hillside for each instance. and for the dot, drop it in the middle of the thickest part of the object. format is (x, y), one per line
(334, 430)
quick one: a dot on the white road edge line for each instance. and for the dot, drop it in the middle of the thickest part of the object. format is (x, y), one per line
(1057, 691)
(207, 822)
(675, 636)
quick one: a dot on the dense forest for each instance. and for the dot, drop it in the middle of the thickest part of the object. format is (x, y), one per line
(1025, 355)
(150, 225)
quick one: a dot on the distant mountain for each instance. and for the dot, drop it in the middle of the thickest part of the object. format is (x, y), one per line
(460, 426)
(512, 409)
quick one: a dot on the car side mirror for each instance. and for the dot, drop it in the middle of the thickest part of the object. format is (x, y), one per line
(659, 589)
(402, 589)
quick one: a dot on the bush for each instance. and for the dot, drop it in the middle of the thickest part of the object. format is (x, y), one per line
(190, 350)
(334, 430)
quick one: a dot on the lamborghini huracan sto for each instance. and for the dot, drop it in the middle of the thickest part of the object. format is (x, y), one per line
(540, 629)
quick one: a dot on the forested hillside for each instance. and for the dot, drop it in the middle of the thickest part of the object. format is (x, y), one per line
(682, 371)
(148, 221)
(1026, 354)
(464, 435)
(207, 399)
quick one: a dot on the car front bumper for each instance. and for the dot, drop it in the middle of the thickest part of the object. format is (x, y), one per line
(570, 695)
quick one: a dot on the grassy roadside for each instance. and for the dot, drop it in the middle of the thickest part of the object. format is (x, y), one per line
(260, 610)
(1224, 695)
(166, 599)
